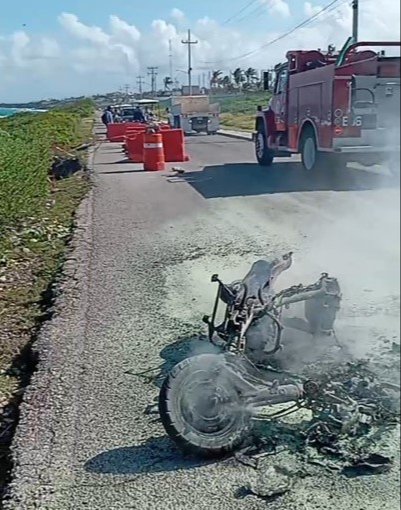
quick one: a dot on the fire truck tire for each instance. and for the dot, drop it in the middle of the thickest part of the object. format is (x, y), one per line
(264, 155)
(311, 157)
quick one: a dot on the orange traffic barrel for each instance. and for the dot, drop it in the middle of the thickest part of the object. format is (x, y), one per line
(135, 148)
(153, 152)
(174, 145)
(115, 132)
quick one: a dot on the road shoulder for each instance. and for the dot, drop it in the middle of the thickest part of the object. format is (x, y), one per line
(238, 135)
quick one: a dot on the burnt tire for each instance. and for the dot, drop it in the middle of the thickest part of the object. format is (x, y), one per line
(201, 410)
(264, 155)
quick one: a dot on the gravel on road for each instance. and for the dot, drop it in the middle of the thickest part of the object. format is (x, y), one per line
(136, 287)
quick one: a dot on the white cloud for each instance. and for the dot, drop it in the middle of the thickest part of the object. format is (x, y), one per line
(277, 7)
(81, 31)
(123, 31)
(310, 9)
(177, 14)
(103, 58)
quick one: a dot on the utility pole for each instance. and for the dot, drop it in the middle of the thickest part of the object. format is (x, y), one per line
(170, 56)
(355, 19)
(152, 72)
(126, 90)
(140, 82)
(189, 43)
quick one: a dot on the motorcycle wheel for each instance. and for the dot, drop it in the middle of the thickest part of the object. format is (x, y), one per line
(201, 410)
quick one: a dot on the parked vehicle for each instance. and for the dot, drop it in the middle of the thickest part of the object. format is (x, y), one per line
(333, 107)
(128, 111)
(195, 114)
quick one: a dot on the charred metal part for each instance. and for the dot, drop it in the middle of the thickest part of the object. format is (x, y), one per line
(207, 402)
(253, 299)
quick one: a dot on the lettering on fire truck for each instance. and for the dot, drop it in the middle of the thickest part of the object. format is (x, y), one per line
(341, 120)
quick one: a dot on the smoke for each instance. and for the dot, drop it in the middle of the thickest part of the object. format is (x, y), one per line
(356, 238)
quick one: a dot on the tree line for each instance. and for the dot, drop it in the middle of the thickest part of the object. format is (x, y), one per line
(238, 80)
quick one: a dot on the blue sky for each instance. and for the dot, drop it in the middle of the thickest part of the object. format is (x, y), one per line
(53, 48)
(41, 15)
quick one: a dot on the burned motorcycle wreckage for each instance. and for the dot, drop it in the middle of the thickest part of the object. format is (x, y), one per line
(207, 401)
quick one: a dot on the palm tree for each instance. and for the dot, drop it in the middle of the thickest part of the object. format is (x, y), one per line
(216, 78)
(238, 76)
(226, 82)
(250, 75)
(168, 81)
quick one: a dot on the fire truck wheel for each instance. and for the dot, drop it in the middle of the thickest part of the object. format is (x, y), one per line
(264, 155)
(309, 153)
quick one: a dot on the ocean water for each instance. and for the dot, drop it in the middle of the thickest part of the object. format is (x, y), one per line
(5, 112)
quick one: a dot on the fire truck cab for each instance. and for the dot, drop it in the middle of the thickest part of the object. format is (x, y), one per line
(333, 108)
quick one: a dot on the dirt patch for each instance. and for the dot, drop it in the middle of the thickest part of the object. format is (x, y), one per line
(31, 258)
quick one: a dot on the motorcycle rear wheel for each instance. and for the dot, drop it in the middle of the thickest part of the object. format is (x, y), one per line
(200, 408)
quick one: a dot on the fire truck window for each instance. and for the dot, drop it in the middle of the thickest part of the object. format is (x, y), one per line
(281, 81)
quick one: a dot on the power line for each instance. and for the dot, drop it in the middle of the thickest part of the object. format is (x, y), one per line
(326, 16)
(282, 36)
(257, 12)
(249, 4)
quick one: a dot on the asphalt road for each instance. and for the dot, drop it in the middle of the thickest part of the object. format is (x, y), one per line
(137, 285)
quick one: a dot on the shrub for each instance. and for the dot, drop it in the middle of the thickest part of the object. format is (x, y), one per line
(26, 143)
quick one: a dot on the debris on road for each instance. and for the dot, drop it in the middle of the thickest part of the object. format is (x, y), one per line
(208, 403)
(370, 464)
(270, 483)
(178, 170)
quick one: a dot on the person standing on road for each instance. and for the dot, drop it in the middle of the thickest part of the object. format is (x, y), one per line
(149, 115)
(138, 115)
(170, 117)
(107, 117)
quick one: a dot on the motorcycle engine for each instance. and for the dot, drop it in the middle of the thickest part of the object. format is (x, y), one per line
(261, 339)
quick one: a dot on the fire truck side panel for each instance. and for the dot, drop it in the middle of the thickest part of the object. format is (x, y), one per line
(310, 104)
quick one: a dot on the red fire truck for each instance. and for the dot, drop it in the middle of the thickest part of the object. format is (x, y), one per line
(333, 108)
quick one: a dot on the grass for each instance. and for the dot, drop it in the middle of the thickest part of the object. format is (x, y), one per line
(238, 112)
(36, 221)
(240, 121)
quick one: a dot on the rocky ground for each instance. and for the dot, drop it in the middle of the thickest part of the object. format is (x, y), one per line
(136, 288)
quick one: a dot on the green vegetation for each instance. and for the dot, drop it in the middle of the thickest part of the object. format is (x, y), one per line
(238, 122)
(36, 220)
(27, 141)
(238, 112)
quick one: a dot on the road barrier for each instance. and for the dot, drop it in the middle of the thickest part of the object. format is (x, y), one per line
(153, 152)
(132, 134)
(117, 132)
(174, 145)
(135, 147)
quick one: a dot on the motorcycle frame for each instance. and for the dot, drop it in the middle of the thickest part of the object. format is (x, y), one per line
(250, 312)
